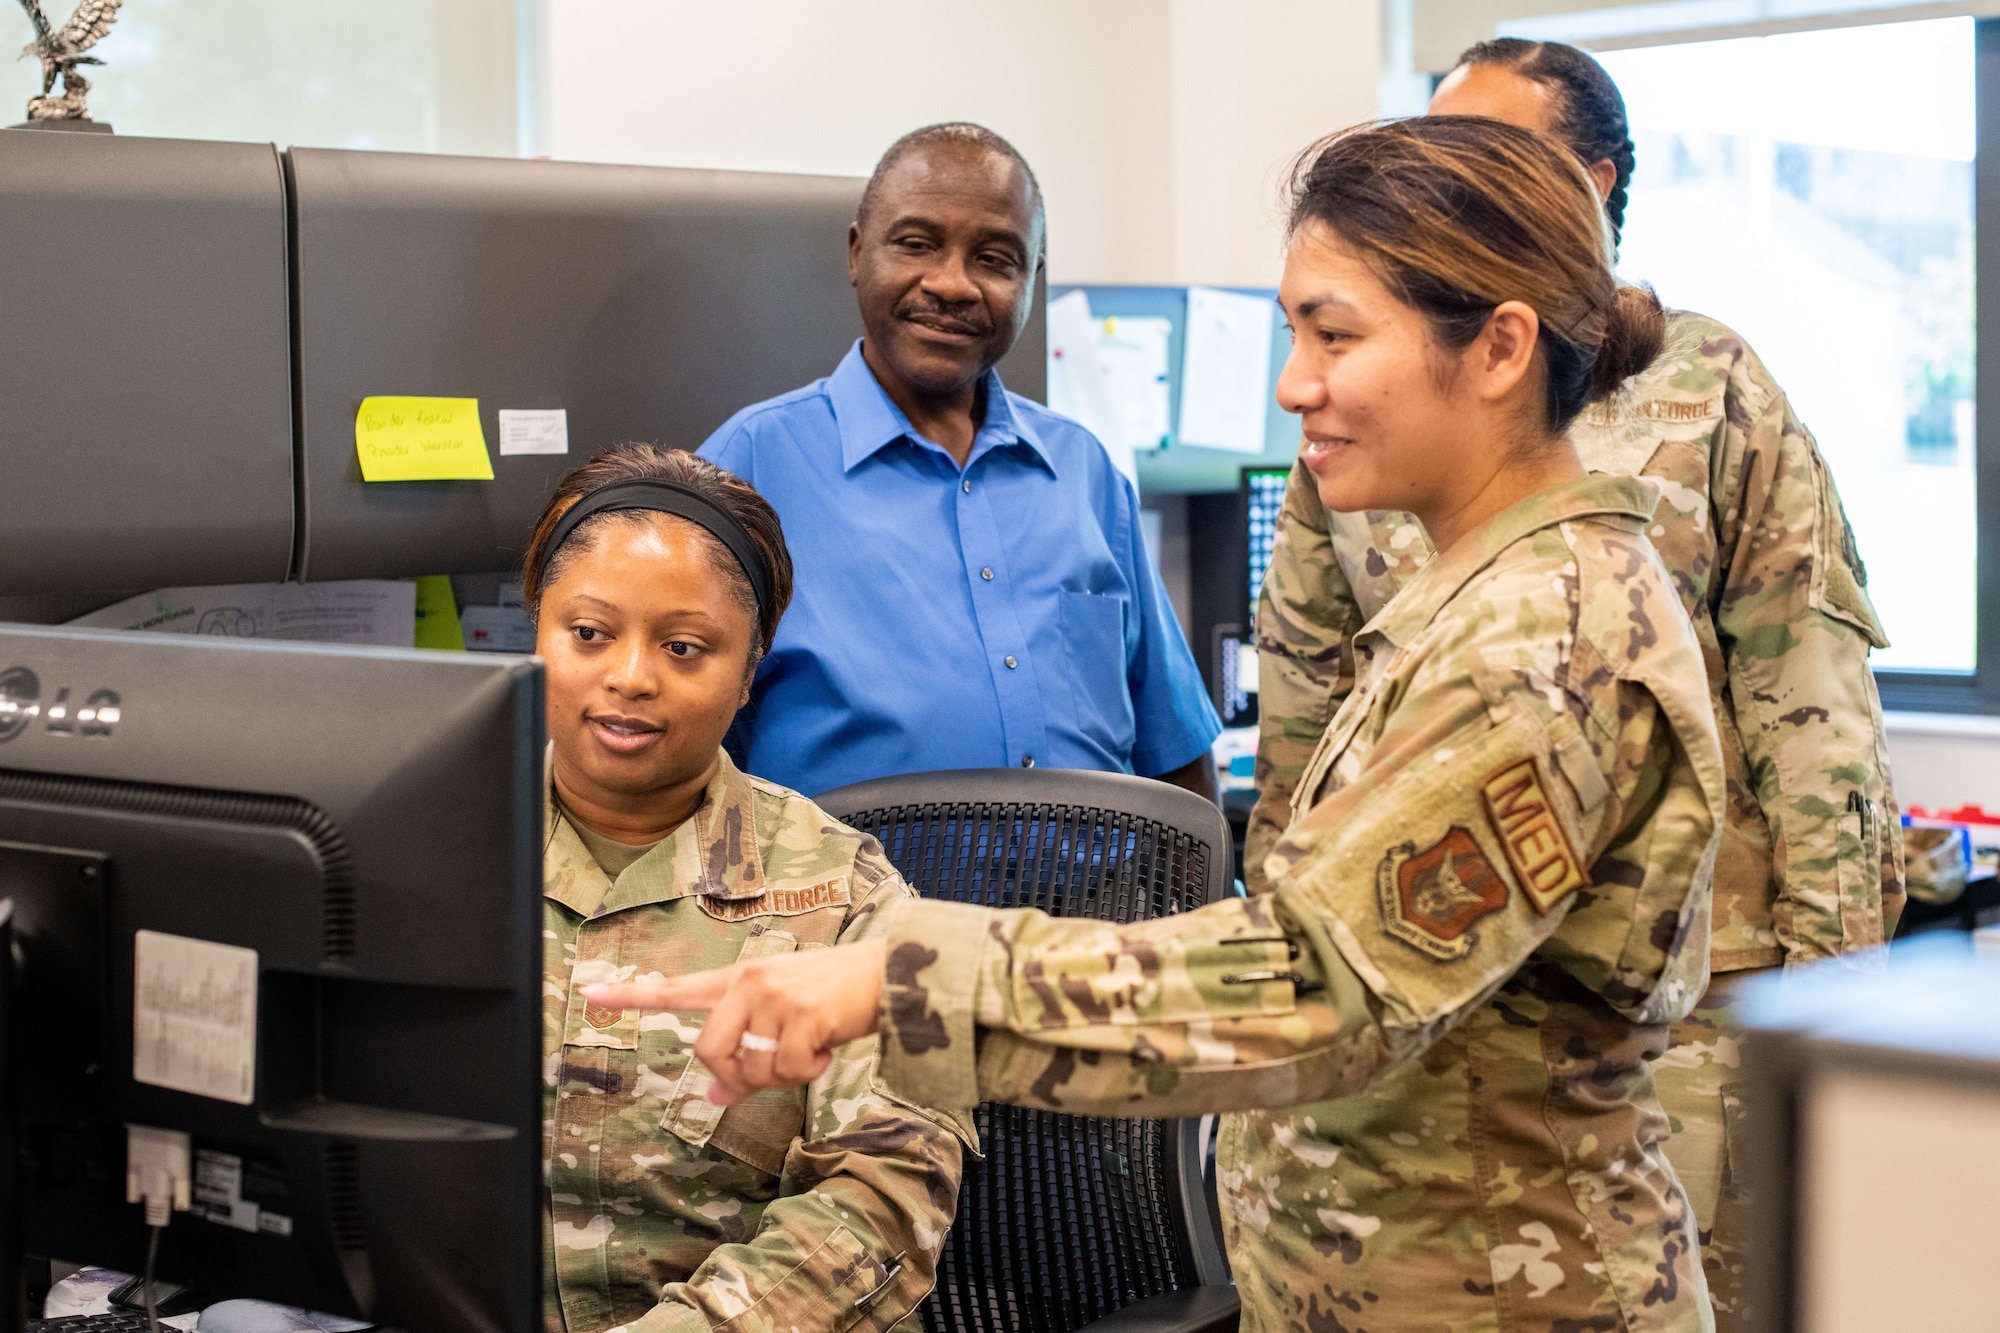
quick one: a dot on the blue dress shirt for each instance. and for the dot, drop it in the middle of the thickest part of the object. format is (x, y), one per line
(997, 616)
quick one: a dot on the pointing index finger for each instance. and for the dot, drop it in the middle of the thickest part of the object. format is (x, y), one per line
(696, 990)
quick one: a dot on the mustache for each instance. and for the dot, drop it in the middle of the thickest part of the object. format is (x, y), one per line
(969, 319)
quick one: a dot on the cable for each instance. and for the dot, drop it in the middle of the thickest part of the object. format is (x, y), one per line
(152, 1297)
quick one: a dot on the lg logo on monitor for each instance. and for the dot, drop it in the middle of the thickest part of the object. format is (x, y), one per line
(21, 704)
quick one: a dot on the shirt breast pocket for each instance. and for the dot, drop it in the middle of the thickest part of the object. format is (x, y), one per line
(759, 1131)
(1093, 630)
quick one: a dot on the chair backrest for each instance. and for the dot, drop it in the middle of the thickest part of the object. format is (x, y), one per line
(1068, 1218)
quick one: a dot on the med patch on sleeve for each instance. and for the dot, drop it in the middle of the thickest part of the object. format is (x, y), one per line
(1437, 881)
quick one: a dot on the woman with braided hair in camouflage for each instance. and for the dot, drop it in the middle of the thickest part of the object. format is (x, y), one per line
(656, 579)
(1754, 538)
(1435, 1028)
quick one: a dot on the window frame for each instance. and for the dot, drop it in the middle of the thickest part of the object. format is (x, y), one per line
(1979, 690)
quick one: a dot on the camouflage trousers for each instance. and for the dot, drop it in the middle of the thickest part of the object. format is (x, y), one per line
(1700, 1082)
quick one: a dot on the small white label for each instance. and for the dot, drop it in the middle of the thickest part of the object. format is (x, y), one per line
(218, 1190)
(497, 629)
(533, 431)
(218, 1195)
(194, 1016)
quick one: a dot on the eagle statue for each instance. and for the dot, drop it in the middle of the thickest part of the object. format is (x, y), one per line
(61, 51)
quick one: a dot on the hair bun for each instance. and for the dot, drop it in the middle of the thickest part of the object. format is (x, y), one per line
(1633, 335)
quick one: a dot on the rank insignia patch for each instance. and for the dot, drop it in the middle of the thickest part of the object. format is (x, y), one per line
(1537, 847)
(1430, 898)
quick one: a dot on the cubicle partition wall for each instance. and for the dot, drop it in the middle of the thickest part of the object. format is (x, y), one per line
(647, 303)
(177, 382)
(145, 367)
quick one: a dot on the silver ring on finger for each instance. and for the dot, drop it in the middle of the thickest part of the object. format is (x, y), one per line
(750, 1041)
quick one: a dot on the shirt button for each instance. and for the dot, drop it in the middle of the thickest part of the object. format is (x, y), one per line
(1027, 761)
(1011, 664)
(987, 573)
(966, 485)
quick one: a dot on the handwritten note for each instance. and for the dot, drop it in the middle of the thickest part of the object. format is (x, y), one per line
(421, 439)
(533, 431)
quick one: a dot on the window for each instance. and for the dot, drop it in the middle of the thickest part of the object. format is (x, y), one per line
(1815, 191)
(402, 75)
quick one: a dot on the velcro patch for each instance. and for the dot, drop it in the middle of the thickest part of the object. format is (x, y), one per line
(794, 901)
(1430, 898)
(1537, 847)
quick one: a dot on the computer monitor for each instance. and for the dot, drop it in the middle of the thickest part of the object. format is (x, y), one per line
(1263, 497)
(1235, 648)
(282, 900)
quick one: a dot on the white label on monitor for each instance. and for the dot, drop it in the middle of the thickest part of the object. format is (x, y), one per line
(534, 431)
(194, 1016)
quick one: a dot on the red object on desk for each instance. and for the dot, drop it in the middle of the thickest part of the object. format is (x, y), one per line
(1965, 814)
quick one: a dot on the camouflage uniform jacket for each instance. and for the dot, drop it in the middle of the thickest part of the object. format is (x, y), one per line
(820, 1208)
(1753, 534)
(1470, 950)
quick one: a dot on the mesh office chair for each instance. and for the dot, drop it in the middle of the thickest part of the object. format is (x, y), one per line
(1070, 1222)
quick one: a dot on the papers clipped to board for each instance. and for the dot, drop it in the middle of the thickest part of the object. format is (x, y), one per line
(1112, 375)
(1226, 371)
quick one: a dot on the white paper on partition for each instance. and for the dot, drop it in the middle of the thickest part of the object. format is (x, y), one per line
(1076, 378)
(526, 430)
(1133, 355)
(497, 629)
(1226, 371)
(369, 611)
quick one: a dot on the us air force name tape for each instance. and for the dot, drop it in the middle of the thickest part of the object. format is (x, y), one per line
(666, 497)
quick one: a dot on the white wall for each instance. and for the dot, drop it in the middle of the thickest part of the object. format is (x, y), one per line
(1157, 127)
(1254, 82)
(1943, 761)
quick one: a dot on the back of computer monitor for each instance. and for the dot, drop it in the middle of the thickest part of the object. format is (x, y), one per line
(283, 900)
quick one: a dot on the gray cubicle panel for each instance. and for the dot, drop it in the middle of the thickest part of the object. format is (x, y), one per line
(145, 364)
(649, 303)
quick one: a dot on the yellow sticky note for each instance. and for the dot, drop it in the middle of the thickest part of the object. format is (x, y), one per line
(421, 439)
(437, 614)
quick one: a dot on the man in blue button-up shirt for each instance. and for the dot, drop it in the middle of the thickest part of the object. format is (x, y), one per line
(972, 585)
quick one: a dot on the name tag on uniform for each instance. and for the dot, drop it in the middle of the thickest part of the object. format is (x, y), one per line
(795, 901)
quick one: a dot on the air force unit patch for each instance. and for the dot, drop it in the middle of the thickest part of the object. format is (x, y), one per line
(1536, 845)
(1431, 898)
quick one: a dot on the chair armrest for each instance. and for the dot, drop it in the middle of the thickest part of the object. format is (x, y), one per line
(1189, 1310)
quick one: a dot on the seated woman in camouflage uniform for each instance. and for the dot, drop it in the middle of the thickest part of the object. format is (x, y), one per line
(1493, 894)
(656, 579)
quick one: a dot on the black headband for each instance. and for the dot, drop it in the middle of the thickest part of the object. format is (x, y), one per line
(667, 497)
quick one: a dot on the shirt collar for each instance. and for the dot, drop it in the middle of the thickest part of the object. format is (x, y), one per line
(870, 421)
(1596, 495)
(715, 853)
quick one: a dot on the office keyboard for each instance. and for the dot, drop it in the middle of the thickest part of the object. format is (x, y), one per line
(111, 1321)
